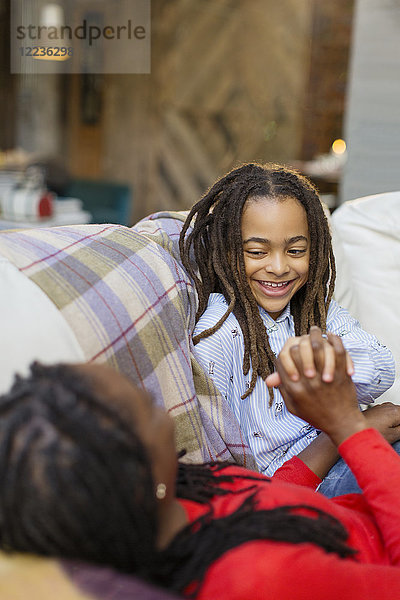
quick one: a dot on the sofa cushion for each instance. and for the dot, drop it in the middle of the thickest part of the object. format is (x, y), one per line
(106, 584)
(130, 303)
(369, 231)
(31, 327)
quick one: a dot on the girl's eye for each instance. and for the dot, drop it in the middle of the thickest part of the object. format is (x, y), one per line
(255, 253)
(297, 251)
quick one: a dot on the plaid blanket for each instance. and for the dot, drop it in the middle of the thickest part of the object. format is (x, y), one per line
(130, 303)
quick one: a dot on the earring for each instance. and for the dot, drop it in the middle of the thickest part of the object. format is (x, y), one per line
(161, 491)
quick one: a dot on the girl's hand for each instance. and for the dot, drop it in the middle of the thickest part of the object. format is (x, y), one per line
(385, 418)
(329, 406)
(316, 353)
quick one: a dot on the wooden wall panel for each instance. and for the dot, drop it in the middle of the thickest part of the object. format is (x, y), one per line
(85, 141)
(227, 85)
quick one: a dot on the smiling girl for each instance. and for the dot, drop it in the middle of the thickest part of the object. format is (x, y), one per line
(264, 272)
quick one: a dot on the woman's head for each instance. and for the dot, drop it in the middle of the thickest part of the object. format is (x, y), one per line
(78, 481)
(217, 242)
(76, 474)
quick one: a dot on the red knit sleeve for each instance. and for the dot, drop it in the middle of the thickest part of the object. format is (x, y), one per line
(265, 570)
(297, 472)
(260, 571)
(376, 467)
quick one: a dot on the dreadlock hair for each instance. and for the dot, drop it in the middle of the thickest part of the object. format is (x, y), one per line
(182, 566)
(77, 484)
(74, 477)
(214, 239)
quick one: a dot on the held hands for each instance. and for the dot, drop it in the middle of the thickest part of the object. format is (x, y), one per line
(327, 405)
(308, 344)
(328, 394)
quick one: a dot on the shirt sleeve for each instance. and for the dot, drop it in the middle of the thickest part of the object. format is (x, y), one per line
(373, 362)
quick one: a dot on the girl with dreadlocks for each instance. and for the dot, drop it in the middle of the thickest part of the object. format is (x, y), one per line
(264, 272)
(89, 471)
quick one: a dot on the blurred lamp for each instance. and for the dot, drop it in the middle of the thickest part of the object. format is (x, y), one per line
(339, 146)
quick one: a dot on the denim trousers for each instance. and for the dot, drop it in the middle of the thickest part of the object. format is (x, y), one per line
(340, 480)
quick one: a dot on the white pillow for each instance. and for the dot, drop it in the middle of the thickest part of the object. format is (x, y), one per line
(367, 233)
(32, 327)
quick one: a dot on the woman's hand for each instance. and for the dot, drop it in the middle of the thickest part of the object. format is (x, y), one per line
(329, 406)
(307, 344)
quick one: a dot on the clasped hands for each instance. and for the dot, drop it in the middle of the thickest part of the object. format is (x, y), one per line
(313, 374)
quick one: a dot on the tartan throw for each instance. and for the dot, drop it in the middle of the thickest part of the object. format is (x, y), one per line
(130, 303)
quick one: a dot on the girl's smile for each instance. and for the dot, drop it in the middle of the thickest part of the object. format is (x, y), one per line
(275, 289)
(276, 250)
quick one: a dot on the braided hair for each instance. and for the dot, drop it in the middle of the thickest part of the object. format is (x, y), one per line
(77, 484)
(212, 235)
(67, 489)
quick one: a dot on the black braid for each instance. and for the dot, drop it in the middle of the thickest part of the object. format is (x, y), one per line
(67, 489)
(183, 565)
(77, 484)
(212, 232)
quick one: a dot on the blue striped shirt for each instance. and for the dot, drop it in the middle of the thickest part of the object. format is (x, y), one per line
(273, 433)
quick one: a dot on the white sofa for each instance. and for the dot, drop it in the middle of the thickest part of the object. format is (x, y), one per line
(366, 237)
(367, 246)
(32, 328)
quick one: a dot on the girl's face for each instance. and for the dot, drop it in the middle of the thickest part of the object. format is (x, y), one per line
(276, 249)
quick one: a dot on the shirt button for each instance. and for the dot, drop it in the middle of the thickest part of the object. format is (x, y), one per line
(273, 328)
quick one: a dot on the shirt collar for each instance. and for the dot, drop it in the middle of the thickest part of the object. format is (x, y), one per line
(285, 315)
(216, 298)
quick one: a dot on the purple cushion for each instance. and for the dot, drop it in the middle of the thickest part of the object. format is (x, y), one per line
(106, 584)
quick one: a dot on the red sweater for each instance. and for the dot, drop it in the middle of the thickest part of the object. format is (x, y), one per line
(267, 570)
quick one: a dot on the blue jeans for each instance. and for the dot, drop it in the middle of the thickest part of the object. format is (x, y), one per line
(340, 480)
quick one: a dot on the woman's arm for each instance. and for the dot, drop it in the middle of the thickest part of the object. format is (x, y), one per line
(266, 570)
(322, 454)
(332, 407)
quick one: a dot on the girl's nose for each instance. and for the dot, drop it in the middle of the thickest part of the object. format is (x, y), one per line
(277, 264)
